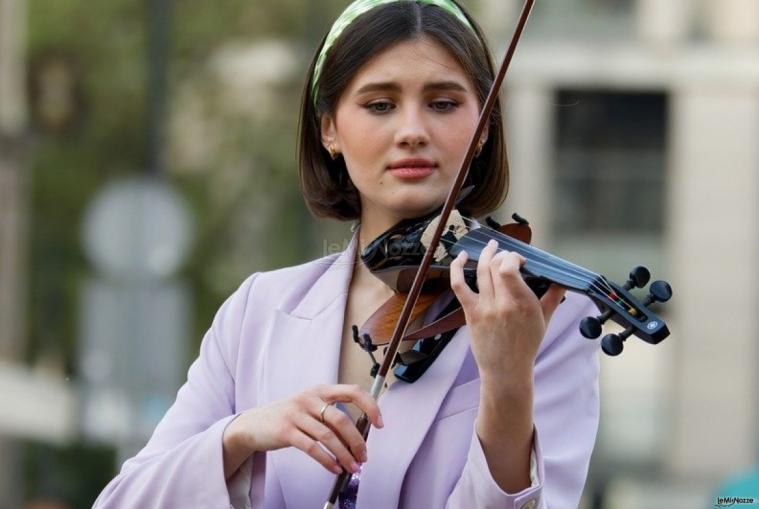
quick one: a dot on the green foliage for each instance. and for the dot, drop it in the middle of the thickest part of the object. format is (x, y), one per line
(103, 44)
(73, 475)
(106, 45)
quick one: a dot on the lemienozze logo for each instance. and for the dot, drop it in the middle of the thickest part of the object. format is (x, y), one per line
(731, 501)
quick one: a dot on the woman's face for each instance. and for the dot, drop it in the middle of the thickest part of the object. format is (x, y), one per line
(403, 125)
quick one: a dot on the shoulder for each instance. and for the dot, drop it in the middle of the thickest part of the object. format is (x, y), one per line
(248, 309)
(283, 288)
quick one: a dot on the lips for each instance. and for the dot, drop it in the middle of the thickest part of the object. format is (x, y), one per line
(415, 168)
(412, 163)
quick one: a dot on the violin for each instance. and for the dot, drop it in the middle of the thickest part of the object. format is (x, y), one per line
(395, 256)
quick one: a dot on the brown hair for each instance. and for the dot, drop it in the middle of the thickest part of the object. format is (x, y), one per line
(324, 182)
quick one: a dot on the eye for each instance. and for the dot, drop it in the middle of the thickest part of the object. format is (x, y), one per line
(444, 105)
(380, 107)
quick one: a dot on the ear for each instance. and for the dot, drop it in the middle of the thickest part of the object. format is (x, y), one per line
(328, 132)
(485, 134)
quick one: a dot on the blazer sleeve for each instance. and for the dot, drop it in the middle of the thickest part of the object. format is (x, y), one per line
(182, 464)
(566, 413)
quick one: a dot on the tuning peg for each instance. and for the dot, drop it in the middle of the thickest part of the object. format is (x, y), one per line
(639, 277)
(626, 333)
(659, 291)
(492, 223)
(591, 326)
(519, 219)
(613, 344)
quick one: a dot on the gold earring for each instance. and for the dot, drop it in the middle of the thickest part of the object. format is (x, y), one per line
(332, 151)
(478, 151)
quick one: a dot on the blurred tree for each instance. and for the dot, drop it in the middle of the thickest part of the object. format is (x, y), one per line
(71, 476)
(104, 47)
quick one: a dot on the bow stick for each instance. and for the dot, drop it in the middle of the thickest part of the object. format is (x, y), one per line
(400, 329)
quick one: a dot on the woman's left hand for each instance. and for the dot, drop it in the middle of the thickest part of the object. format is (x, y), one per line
(506, 319)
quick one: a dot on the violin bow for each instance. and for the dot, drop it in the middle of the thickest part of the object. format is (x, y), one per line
(363, 424)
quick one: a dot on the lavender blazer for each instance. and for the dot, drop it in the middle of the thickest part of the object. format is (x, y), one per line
(279, 334)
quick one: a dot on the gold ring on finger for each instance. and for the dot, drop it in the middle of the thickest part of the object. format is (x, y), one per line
(321, 412)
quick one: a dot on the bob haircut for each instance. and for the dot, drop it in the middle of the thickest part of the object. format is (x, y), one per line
(324, 182)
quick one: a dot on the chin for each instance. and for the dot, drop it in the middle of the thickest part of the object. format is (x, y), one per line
(409, 209)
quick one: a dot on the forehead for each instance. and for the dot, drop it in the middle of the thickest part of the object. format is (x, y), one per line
(414, 61)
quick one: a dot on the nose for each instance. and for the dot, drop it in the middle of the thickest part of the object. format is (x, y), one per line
(412, 132)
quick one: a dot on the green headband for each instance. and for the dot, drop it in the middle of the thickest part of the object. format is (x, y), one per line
(360, 7)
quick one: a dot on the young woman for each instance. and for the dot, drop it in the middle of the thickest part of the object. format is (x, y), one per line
(505, 417)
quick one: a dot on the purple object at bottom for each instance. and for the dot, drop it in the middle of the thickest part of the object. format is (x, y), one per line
(350, 492)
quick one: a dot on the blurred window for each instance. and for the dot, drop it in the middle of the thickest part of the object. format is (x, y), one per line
(610, 167)
(609, 178)
(584, 19)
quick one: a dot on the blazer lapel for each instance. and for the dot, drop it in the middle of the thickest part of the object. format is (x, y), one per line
(408, 411)
(303, 351)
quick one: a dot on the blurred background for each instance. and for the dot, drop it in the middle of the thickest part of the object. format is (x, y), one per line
(148, 165)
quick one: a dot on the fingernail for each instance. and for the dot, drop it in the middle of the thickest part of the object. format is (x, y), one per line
(380, 422)
(354, 467)
(364, 457)
(337, 469)
(492, 243)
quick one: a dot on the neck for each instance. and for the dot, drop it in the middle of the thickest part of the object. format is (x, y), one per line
(362, 276)
(374, 225)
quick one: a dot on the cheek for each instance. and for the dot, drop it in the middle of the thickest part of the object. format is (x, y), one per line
(355, 140)
(362, 149)
(456, 133)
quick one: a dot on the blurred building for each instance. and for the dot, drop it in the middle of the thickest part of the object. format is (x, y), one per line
(633, 128)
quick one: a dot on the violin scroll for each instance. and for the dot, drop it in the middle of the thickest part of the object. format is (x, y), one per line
(621, 307)
(592, 326)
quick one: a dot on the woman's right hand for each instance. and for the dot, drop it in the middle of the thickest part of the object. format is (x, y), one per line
(295, 422)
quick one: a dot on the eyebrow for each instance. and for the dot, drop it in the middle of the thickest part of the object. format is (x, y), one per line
(390, 86)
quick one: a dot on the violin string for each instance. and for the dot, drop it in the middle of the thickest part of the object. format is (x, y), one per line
(591, 280)
(597, 283)
(602, 288)
(552, 265)
(548, 256)
(567, 278)
(575, 272)
(572, 271)
(555, 264)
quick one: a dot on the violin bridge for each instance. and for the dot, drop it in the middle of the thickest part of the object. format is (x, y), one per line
(456, 228)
